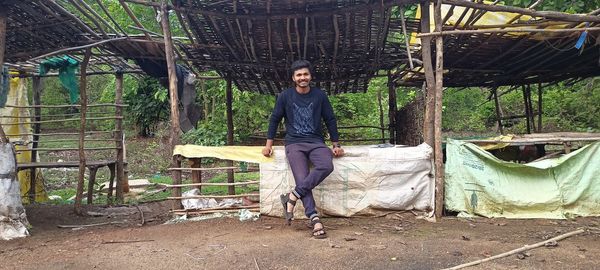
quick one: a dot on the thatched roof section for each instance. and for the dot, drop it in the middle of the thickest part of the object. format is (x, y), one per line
(504, 56)
(253, 42)
(39, 27)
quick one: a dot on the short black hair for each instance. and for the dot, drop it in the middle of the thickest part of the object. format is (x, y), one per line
(300, 64)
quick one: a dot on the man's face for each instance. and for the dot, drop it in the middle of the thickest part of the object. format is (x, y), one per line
(302, 77)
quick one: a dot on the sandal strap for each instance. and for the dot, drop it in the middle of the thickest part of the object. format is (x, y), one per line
(315, 220)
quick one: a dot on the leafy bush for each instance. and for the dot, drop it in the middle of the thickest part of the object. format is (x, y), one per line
(148, 106)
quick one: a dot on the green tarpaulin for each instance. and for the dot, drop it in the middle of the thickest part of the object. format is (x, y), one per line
(478, 183)
(67, 67)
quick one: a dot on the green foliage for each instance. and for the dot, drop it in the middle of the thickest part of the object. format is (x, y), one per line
(466, 110)
(147, 106)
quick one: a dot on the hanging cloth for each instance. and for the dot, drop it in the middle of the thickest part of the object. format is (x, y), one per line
(67, 67)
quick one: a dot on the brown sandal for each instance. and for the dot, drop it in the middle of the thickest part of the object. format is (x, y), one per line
(285, 199)
(318, 233)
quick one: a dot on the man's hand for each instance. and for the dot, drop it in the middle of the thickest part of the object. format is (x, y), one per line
(267, 151)
(337, 151)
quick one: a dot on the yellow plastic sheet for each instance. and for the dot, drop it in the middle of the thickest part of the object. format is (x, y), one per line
(17, 96)
(493, 146)
(236, 153)
(489, 20)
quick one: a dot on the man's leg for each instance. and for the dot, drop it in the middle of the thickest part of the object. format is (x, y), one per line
(322, 160)
(297, 157)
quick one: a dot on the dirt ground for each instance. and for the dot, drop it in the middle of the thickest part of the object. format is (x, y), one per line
(397, 241)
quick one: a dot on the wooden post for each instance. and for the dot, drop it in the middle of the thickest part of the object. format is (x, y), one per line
(381, 123)
(229, 101)
(3, 138)
(83, 112)
(196, 175)
(428, 125)
(174, 140)
(37, 117)
(539, 108)
(530, 107)
(392, 108)
(527, 116)
(122, 184)
(498, 110)
(439, 82)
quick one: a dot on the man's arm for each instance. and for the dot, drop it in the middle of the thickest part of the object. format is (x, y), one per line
(276, 117)
(331, 123)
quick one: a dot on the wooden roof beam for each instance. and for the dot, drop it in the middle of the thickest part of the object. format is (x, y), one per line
(554, 15)
(293, 14)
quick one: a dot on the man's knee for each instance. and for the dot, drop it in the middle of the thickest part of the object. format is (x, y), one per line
(326, 167)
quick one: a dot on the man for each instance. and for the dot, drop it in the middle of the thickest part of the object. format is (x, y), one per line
(303, 107)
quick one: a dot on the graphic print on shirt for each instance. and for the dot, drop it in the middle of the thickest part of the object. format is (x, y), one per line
(303, 122)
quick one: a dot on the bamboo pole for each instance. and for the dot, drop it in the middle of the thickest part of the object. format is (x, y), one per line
(175, 129)
(406, 39)
(215, 184)
(515, 251)
(429, 94)
(439, 82)
(214, 209)
(78, 47)
(381, 122)
(229, 97)
(527, 116)
(121, 181)
(213, 196)
(62, 120)
(393, 108)
(208, 211)
(498, 110)
(509, 30)
(37, 93)
(83, 102)
(67, 106)
(540, 93)
(203, 169)
(553, 15)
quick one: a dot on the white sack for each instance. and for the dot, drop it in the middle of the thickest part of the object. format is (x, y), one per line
(13, 221)
(368, 180)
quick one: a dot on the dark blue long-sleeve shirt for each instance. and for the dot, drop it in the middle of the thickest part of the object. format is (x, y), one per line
(303, 114)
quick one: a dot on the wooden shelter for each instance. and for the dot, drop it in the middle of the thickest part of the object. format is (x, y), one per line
(251, 44)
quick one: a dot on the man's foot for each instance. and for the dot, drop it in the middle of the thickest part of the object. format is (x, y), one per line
(288, 201)
(318, 228)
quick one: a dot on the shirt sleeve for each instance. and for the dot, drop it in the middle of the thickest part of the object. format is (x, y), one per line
(276, 116)
(329, 118)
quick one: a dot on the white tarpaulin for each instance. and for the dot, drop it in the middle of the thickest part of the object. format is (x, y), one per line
(368, 180)
(13, 222)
